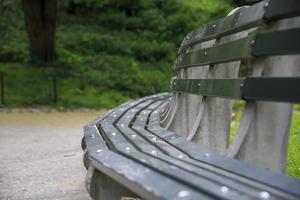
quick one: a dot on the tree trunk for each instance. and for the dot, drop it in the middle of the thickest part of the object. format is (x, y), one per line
(40, 18)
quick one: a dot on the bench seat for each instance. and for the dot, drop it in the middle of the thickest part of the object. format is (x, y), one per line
(129, 145)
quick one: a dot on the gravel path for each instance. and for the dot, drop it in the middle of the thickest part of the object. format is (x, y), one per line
(41, 157)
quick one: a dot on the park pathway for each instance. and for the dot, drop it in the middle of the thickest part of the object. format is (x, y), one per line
(41, 157)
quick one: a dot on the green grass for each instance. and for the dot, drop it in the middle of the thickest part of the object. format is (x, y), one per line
(293, 168)
(293, 162)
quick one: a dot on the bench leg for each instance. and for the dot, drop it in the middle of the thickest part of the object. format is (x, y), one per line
(102, 187)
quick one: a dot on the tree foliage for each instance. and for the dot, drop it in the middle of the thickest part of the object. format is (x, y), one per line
(120, 48)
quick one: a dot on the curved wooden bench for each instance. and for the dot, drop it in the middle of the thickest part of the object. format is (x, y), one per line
(175, 146)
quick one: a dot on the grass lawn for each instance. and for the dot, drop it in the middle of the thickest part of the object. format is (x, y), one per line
(293, 164)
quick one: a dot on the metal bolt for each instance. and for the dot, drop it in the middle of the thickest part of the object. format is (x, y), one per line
(154, 138)
(205, 53)
(252, 42)
(183, 194)
(122, 125)
(266, 4)
(206, 155)
(214, 26)
(153, 152)
(264, 195)
(132, 110)
(224, 189)
(180, 59)
(133, 135)
(99, 150)
(198, 84)
(242, 85)
(114, 115)
(127, 148)
(113, 134)
(181, 156)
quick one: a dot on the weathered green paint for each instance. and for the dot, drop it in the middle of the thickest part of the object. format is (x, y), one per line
(231, 51)
(277, 43)
(251, 88)
(243, 19)
(228, 88)
(284, 42)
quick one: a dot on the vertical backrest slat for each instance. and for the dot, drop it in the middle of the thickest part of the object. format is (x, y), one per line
(265, 140)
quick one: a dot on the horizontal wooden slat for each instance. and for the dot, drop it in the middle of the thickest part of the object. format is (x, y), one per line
(273, 89)
(228, 88)
(280, 9)
(253, 88)
(231, 51)
(243, 19)
(270, 43)
(277, 43)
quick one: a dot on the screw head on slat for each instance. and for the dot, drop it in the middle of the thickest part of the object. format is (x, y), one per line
(224, 189)
(266, 4)
(264, 195)
(206, 155)
(183, 194)
(205, 53)
(99, 150)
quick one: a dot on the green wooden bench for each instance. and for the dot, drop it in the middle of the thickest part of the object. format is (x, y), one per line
(176, 145)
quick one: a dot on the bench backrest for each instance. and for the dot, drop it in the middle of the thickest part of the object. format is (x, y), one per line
(265, 36)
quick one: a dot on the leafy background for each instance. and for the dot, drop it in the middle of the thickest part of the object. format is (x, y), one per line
(108, 50)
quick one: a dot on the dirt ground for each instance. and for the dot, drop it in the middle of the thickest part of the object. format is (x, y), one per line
(41, 157)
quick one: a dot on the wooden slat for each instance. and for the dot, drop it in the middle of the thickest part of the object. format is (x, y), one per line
(283, 42)
(244, 19)
(197, 152)
(227, 88)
